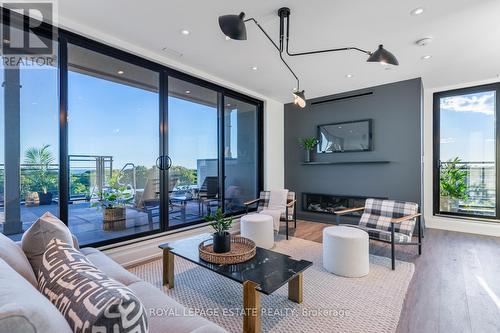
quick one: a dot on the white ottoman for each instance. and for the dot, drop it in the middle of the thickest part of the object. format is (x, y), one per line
(259, 228)
(346, 251)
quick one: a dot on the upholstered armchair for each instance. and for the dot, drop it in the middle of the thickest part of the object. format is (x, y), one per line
(289, 213)
(389, 221)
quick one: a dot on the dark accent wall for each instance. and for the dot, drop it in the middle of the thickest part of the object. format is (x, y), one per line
(396, 113)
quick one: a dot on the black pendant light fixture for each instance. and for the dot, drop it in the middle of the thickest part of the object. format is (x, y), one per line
(383, 56)
(299, 98)
(233, 26)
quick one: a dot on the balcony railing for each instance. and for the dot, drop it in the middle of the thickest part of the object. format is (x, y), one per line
(481, 188)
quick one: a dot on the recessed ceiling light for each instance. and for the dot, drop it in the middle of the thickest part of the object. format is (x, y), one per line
(417, 11)
(426, 57)
(348, 76)
(228, 104)
(185, 32)
(188, 91)
(228, 38)
(120, 72)
(254, 68)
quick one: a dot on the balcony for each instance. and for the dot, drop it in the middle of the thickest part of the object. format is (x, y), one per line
(477, 179)
(90, 176)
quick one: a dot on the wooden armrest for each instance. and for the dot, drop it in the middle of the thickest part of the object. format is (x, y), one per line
(405, 218)
(291, 203)
(348, 210)
(248, 203)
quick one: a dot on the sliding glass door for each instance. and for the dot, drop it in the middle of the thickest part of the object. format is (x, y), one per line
(466, 178)
(113, 143)
(120, 147)
(193, 149)
(240, 154)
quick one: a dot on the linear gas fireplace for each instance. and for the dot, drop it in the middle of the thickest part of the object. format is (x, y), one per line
(329, 203)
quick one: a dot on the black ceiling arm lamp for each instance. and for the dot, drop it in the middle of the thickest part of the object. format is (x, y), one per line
(381, 55)
(233, 26)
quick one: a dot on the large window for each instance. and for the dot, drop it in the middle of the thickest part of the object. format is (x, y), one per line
(193, 149)
(119, 147)
(465, 178)
(113, 143)
(240, 153)
(29, 146)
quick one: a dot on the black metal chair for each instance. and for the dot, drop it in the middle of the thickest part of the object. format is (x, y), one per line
(389, 221)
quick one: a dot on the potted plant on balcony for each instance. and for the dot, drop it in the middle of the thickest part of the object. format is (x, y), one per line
(453, 185)
(113, 204)
(38, 178)
(308, 145)
(221, 236)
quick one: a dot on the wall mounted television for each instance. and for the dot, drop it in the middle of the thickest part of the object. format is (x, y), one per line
(343, 137)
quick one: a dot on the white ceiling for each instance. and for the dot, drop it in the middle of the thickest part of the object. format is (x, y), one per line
(465, 47)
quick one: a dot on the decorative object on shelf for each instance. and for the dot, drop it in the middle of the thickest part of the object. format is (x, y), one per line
(233, 26)
(452, 184)
(308, 145)
(221, 236)
(242, 249)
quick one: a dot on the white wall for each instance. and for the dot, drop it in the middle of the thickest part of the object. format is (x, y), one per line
(438, 222)
(273, 139)
(274, 145)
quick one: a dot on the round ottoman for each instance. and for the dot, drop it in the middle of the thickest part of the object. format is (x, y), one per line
(259, 228)
(346, 251)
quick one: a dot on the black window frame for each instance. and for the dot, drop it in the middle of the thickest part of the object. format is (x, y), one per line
(65, 37)
(437, 96)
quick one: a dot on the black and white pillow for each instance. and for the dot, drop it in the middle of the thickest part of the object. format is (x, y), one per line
(88, 299)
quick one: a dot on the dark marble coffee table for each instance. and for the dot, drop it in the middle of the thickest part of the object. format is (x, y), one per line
(265, 273)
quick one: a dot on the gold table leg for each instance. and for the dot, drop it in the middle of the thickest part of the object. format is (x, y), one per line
(168, 268)
(251, 307)
(295, 289)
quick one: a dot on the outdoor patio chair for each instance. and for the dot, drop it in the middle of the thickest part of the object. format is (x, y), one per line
(389, 221)
(208, 195)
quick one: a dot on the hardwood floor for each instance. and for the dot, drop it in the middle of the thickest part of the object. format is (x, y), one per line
(456, 285)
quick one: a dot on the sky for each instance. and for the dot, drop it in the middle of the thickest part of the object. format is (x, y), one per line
(107, 118)
(468, 127)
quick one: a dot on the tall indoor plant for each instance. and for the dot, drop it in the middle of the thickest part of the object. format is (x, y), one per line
(452, 184)
(38, 178)
(308, 145)
(221, 236)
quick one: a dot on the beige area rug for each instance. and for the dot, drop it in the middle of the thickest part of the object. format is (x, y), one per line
(331, 303)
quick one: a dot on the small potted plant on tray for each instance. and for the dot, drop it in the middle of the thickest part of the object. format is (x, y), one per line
(308, 145)
(221, 236)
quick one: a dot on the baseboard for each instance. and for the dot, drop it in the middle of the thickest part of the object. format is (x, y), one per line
(466, 226)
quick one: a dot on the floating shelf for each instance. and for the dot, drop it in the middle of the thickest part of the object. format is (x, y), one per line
(350, 162)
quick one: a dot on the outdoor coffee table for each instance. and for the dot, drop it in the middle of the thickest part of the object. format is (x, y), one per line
(265, 273)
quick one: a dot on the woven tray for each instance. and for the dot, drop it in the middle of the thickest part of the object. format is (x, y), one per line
(242, 249)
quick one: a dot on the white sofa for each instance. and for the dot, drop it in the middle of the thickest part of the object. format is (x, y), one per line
(23, 307)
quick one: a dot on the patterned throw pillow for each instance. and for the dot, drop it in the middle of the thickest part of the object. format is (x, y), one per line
(89, 300)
